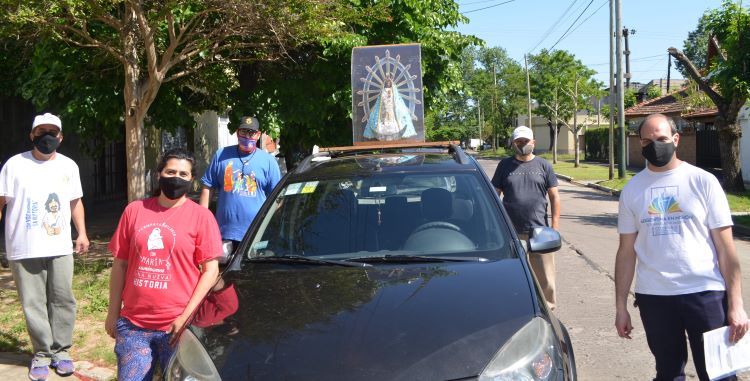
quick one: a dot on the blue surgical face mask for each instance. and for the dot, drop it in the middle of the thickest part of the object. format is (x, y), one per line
(247, 144)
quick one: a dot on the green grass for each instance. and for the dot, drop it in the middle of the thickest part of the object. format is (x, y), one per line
(500, 152)
(599, 173)
(740, 202)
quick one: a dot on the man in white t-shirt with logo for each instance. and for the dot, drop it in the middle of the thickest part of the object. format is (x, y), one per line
(42, 189)
(676, 234)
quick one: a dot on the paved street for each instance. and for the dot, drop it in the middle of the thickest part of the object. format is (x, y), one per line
(585, 272)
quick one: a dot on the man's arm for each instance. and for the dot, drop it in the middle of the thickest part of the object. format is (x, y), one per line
(554, 204)
(729, 266)
(77, 214)
(205, 197)
(624, 272)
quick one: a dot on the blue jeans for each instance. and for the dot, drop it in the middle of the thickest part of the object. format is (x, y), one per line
(667, 318)
(138, 349)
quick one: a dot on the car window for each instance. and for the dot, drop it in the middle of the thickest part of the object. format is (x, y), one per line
(399, 214)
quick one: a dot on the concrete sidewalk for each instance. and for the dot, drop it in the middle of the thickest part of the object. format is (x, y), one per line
(15, 366)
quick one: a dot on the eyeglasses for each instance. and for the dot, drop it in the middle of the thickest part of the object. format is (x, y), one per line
(247, 133)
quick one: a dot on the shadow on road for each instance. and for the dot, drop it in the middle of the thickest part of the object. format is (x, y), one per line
(588, 194)
(603, 220)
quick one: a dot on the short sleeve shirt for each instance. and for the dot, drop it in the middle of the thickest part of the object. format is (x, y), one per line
(673, 213)
(38, 194)
(525, 185)
(243, 181)
(163, 248)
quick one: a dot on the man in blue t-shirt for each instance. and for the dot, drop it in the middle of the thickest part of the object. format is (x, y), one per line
(525, 181)
(244, 176)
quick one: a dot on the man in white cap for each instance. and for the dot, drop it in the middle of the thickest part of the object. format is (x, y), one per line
(244, 176)
(525, 181)
(42, 189)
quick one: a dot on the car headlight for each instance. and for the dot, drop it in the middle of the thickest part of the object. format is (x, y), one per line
(531, 354)
(191, 362)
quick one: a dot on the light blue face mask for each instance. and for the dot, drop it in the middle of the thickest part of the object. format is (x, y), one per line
(247, 144)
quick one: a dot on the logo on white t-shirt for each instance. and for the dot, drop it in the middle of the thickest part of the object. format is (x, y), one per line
(665, 214)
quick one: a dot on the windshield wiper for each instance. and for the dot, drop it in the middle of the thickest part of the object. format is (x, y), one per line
(297, 259)
(401, 258)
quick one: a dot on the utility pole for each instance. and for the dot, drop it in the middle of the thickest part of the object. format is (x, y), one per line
(620, 90)
(669, 70)
(479, 119)
(494, 106)
(528, 88)
(625, 33)
(611, 155)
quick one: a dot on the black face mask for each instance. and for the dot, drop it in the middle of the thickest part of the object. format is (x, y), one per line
(46, 143)
(658, 153)
(174, 187)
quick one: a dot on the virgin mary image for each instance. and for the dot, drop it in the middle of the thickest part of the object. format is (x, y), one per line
(390, 118)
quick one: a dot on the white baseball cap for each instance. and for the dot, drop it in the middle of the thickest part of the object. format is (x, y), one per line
(47, 118)
(522, 132)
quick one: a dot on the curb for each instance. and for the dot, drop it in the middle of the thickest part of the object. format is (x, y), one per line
(612, 192)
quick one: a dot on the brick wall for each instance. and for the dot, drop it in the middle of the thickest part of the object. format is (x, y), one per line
(685, 150)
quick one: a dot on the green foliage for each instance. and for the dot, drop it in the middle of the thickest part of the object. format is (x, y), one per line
(629, 98)
(553, 78)
(597, 144)
(731, 26)
(696, 47)
(653, 92)
(310, 97)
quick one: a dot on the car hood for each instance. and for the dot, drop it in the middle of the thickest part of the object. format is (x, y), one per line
(436, 321)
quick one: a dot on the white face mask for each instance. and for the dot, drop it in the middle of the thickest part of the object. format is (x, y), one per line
(525, 149)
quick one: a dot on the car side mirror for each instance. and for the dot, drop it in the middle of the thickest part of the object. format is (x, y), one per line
(544, 240)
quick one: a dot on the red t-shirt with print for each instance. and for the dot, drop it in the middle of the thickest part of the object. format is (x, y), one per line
(163, 248)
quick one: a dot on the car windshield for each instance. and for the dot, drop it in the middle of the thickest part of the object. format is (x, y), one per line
(383, 215)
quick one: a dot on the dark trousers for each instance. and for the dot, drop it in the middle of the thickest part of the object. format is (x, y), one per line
(667, 318)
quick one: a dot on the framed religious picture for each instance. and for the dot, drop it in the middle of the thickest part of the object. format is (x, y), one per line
(387, 102)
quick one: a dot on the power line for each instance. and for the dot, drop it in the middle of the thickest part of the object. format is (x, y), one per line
(477, 2)
(591, 15)
(554, 25)
(571, 25)
(491, 6)
(646, 58)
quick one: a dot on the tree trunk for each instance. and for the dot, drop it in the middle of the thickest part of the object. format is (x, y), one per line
(139, 94)
(729, 147)
(554, 140)
(575, 138)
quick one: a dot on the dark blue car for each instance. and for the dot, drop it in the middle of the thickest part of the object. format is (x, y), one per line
(387, 264)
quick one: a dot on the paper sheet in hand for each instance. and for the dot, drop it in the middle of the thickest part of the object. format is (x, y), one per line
(722, 357)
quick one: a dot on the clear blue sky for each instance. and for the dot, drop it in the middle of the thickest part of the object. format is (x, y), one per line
(519, 25)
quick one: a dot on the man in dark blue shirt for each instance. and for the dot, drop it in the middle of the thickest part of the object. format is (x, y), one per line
(524, 181)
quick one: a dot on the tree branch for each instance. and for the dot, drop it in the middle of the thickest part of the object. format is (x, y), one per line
(148, 42)
(91, 42)
(703, 84)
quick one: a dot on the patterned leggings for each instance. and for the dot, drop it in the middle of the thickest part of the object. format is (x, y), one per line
(138, 349)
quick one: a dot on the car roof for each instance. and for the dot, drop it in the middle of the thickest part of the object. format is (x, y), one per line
(396, 158)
